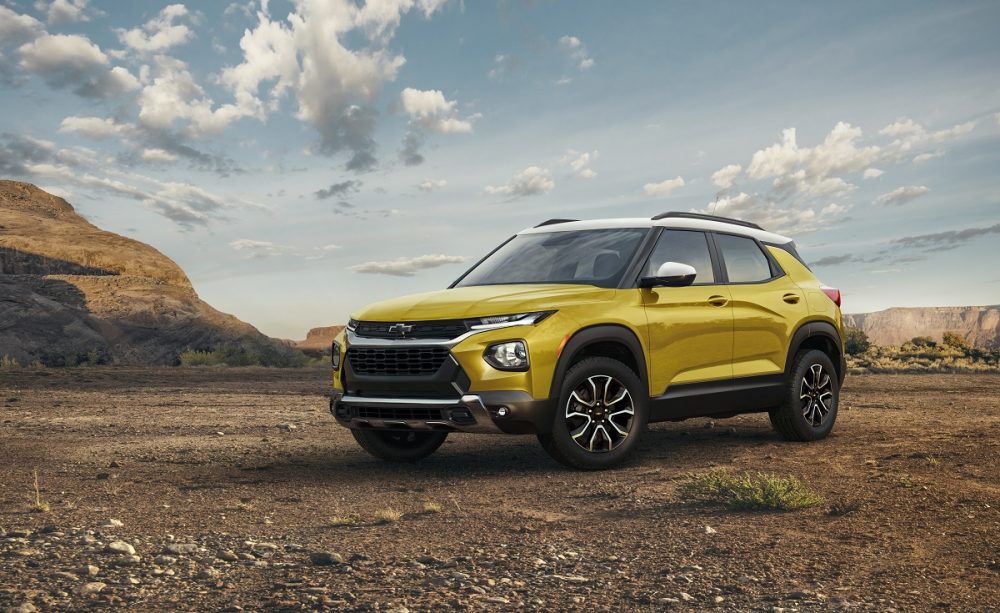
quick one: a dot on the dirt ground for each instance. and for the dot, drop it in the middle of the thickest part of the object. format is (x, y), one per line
(228, 484)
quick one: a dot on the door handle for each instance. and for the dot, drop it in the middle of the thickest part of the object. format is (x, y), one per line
(791, 298)
(718, 300)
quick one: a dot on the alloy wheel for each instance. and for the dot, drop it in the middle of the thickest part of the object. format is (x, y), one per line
(599, 413)
(816, 395)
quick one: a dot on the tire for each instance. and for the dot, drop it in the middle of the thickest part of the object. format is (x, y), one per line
(812, 394)
(399, 445)
(575, 417)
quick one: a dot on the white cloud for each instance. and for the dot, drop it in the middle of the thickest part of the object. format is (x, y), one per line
(71, 60)
(580, 163)
(872, 173)
(158, 155)
(407, 267)
(431, 185)
(92, 127)
(434, 112)
(663, 188)
(255, 248)
(60, 11)
(16, 28)
(421, 104)
(837, 154)
(170, 94)
(334, 86)
(930, 155)
(726, 176)
(531, 181)
(577, 52)
(908, 134)
(902, 195)
(159, 33)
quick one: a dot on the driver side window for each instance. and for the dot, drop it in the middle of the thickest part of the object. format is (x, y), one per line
(686, 247)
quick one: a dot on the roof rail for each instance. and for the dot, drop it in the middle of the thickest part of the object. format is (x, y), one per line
(555, 221)
(738, 222)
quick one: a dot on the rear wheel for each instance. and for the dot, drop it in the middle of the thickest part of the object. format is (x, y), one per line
(602, 410)
(812, 393)
(399, 445)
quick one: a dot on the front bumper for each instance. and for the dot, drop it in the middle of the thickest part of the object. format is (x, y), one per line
(494, 412)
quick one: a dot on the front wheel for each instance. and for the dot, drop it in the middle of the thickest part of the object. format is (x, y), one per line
(811, 397)
(399, 445)
(602, 411)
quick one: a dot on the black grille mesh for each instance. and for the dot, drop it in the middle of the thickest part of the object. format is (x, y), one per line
(403, 413)
(396, 361)
(442, 329)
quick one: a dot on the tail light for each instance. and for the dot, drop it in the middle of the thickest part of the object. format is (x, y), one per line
(833, 293)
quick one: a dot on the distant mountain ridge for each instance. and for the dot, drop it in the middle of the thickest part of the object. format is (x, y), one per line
(68, 289)
(980, 325)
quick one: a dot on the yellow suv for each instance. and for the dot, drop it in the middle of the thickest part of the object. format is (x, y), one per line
(582, 332)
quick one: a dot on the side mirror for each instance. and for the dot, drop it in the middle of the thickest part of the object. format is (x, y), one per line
(671, 274)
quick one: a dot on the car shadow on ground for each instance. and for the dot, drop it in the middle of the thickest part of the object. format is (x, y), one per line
(466, 457)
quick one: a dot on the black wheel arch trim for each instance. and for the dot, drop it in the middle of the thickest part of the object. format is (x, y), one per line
(812, 329)
(591, 335)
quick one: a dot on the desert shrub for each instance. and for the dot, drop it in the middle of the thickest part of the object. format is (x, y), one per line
(954, 339)
(246, 352)
(746, 492)
(923, 341)
(917, 355)
(7, 362)
(855, 341)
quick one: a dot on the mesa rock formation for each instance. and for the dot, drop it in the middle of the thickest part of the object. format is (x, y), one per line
(980, 325)
(69, 289)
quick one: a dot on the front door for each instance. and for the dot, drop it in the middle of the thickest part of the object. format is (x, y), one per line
(690, 328)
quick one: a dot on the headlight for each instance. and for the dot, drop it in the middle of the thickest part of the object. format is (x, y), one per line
(502, 321)
(511, 355)
(352, 324)
(335, 355)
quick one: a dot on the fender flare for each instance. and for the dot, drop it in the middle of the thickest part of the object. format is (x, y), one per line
(811, 329)
(585, 337)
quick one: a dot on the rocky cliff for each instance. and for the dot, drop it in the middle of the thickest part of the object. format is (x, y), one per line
(319, 339)
(979, 324)
(69, 289)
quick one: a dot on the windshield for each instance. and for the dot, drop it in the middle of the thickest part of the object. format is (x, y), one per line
(590, 257)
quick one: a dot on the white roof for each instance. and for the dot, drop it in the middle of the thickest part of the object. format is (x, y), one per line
(666, 222)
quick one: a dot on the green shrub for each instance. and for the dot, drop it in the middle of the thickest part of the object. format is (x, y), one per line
(760, 492)
(954, 339)
(246, 352)
(855, 341)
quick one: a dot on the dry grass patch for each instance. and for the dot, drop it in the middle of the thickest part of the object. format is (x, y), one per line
(387, 516)
(342, 520)
(432, 507)
(746, 492)
(39, 505)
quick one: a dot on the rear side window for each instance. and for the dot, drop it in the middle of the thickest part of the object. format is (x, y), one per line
(685, 247)
(743, 259)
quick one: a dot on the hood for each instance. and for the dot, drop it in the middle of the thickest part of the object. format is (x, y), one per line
(481, 301)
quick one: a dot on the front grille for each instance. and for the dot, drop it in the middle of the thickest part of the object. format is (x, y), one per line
(440, 329)
(413, 361)
(400, 413)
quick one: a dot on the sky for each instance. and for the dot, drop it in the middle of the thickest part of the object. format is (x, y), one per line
(301, 159)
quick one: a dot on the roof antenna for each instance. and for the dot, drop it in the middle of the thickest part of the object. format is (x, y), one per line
(711, 207)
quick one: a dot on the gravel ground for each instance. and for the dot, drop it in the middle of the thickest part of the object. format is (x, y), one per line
(232, 489)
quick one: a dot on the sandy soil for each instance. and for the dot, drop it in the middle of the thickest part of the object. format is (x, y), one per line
(227, 483)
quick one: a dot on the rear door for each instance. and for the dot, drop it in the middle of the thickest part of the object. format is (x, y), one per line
(766, 305)
(690, 328)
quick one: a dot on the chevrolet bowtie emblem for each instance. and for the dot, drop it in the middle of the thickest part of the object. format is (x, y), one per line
(400, 329)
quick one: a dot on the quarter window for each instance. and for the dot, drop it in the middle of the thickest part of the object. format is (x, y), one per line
(744, 261)
(685, 247)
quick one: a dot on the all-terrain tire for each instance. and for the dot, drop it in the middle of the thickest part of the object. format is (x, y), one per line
(399, 445)
(612, 448)
(812, 393)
